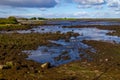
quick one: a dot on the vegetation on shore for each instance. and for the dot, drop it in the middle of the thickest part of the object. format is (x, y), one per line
(13, 23)
(9, 20)
(11, 27)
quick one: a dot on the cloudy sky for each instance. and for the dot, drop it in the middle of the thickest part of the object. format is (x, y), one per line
(61, 8)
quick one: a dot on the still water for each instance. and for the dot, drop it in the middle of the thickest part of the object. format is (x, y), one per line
(67, 51)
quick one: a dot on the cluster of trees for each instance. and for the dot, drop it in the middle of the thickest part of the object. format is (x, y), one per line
(9, 20)
(37, 18)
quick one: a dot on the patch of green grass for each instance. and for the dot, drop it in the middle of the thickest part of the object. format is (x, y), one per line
(9, 20)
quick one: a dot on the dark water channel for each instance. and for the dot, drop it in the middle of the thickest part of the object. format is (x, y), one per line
(67, 51)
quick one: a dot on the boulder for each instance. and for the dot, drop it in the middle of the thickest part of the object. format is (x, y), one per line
(45, 65)
(1, 67)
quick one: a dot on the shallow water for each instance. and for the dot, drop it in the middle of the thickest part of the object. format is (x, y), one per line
(86, 33)
(57, 55)
(71, 50)
(84, 22)
(58, 24)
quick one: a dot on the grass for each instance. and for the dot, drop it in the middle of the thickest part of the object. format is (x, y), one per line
(9, 20)
(10, 27)
(12, 24)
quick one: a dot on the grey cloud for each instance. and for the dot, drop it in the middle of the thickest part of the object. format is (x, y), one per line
(29, 3)
(89, 3)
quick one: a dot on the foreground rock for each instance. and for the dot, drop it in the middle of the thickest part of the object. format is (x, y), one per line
(45, 65)
(1, 67)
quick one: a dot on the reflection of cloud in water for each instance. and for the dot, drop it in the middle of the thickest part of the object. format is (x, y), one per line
(86, 33)
(57, 55)
(74, 46)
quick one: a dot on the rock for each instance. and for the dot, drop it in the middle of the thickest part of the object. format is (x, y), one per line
(96, 71)
(1, 67)
(45, 65)
(101, 60)
(106, 59)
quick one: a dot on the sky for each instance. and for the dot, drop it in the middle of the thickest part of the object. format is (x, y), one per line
(60, 8)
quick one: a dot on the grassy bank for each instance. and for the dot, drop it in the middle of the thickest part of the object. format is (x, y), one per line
(11, 23)
(11, 27)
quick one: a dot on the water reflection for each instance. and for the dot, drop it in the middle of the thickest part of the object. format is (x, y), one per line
(86, 33)
(56, 55)
(73, 49)
(68, 51)
(83, 22)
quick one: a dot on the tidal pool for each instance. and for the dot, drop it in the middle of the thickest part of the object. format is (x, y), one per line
(57, 55)
(85, 33)
(71, 50)
(67, 51)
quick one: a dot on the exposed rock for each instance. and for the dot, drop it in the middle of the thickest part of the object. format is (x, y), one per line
(96, 71)
(101, 60)
(106, 59)
(45, 65)
(1, 67)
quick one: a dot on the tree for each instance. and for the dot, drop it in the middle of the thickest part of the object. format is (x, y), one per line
(40, 18)
(33, 18)
(12, 19)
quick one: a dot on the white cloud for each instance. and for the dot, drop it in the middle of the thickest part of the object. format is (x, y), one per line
(80, 14)
(97, 14)
(84, 6)
(90, 2)
(113, 3)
